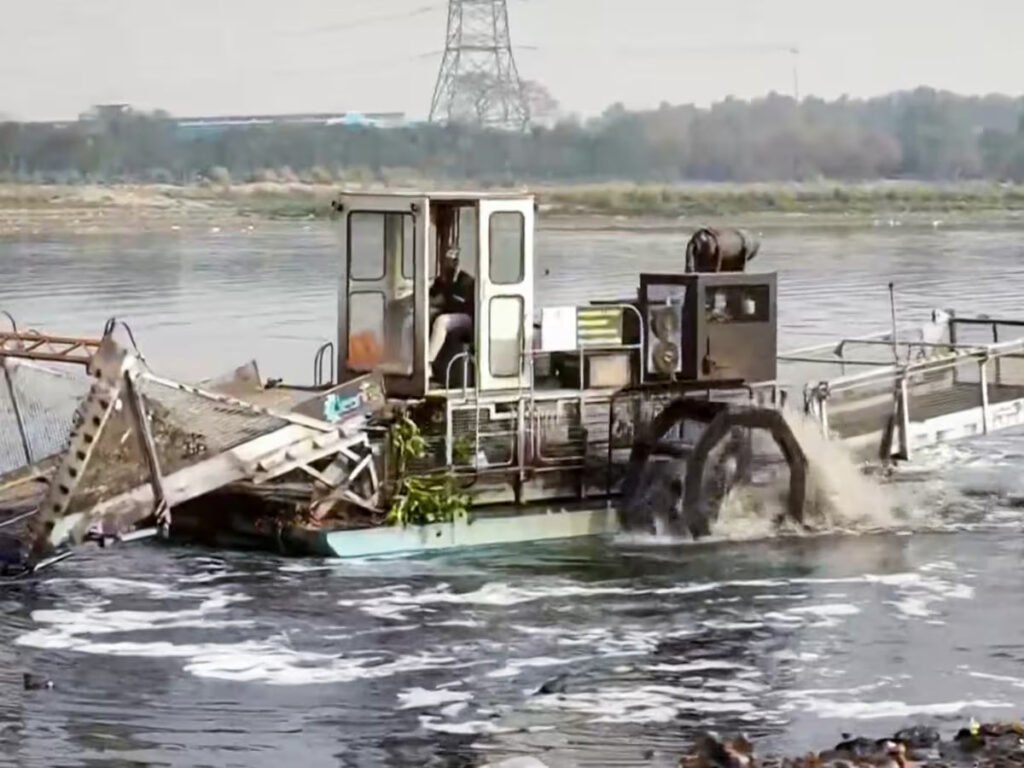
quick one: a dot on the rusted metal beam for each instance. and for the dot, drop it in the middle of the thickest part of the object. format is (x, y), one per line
(32, 345)
(162, 510)
(108, 369)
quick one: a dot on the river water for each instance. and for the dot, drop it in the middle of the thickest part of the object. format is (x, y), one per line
(173, 656)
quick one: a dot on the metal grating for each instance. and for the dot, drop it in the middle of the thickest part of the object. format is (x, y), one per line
(187, 427)
(47, 400)
(220, 423)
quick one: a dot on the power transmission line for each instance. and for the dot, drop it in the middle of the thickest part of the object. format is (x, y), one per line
(371, 20)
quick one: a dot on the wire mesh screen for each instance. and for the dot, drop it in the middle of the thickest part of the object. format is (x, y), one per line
(559, 434)
(863, 407)
(1008, 367)
(186, 427)
(497, 435)
(944, 390)
(850, 357)
(46, 399)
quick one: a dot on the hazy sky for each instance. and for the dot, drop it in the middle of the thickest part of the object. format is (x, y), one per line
(221, 56)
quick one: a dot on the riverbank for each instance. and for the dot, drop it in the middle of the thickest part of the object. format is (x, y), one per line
(27, 209)
(976, 744)
(989, 745)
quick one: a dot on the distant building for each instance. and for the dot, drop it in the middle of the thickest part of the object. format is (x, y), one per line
(104, 112)
(101, 115)
(223, 122)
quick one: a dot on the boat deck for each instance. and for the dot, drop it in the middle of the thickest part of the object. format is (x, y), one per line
(936, 393)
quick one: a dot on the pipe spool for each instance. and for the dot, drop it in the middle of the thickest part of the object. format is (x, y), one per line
(720, 250)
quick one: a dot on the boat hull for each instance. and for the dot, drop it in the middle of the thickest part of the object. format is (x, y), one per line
(478, 529)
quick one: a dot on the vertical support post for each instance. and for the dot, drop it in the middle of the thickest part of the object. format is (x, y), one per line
(582, 374)
(585, 434)
(26, 447)
(823, 418)
(999, 363)
(983, 378)
(521, 440)
(148, 445)
(449, 433)
(611, 446)
(892, 309)
(905, 447)
(820, 404)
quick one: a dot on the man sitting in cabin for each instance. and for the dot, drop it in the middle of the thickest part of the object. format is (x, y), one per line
(452, 302)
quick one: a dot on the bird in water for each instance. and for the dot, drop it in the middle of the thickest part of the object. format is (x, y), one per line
(35, 682)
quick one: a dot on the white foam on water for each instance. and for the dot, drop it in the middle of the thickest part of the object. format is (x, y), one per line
(806, 694)
(421, 698)
(827, 615)
(515, 667)
(466, 728)
(736, 685)
(401, 601)
(453, 710)
(65, 628)
(874, 710)
(1015, 682)
(704, 665)
(462, 623)
(271, 660)
(645, 704)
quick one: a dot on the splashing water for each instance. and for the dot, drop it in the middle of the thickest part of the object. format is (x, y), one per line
(840, 495)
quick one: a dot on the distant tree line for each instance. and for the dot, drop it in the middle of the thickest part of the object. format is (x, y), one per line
(922, 134)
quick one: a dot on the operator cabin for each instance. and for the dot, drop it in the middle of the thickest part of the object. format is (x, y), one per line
(437, 291)
(437, 295)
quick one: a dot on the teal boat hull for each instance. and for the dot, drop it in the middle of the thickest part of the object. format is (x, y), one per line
(478, 530)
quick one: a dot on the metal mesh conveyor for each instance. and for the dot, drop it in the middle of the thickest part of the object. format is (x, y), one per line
(187, 427)
(118, 446)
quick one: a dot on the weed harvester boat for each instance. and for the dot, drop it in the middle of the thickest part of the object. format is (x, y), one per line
(631, 413)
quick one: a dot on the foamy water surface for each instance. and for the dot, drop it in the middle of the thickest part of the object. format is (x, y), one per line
(581, 653)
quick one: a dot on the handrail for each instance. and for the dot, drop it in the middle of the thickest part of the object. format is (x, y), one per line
(448, 371)
(318, 364)
(831, 346)
(885, 337)
(836, 350)
(584, 349)
(987, 321)
(982, 354)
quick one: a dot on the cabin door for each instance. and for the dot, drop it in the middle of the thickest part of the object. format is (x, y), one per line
(382, 301)
(504, 293)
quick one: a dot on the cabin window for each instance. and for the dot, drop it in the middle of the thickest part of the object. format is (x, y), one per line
(366, 342)
(468, 237)
(737, 304)
(506, 341)
(380, 242)
(507, 247)
(459, 231)
(406, 235)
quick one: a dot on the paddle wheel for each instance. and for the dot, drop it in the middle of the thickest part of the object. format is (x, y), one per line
(693, 453)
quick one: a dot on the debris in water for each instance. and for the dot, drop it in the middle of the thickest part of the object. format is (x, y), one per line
(982, 745)
(33, 682)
